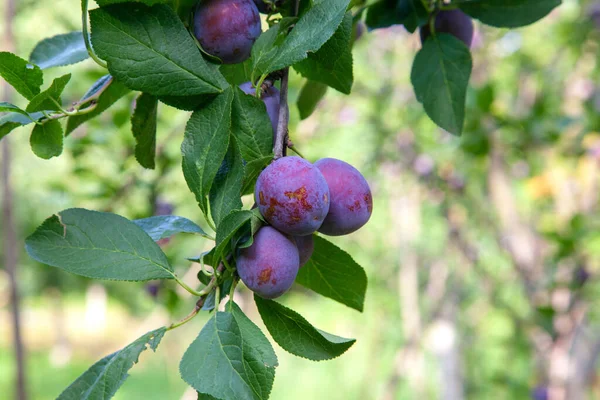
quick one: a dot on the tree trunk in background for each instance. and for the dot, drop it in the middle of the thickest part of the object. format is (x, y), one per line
(8, 225)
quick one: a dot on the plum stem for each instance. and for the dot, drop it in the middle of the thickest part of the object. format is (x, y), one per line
(231, 292)
(86, 35)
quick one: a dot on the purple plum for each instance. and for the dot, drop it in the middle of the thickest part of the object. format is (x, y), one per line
(351, 200)
(271, 99)
(227, 29)
(293, 196)
(306, 246)
(454, 22)
(270, 265)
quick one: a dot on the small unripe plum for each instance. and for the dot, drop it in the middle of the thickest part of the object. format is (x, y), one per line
(306, 246)
(454, 22)
(351, 201)
(293, 196)
(271, 99)
(270, 265)
(227, 29)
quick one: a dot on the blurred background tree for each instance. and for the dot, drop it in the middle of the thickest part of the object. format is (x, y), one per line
(482, 254)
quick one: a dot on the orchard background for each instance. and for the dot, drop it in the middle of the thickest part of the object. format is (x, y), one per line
(482, 254)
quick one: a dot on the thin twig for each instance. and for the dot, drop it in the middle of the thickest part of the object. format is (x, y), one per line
(284, 118)
(86, 36)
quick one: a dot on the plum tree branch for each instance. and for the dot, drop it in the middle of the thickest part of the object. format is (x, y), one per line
(279, 146)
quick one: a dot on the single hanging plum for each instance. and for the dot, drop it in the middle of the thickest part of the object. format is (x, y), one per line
(351, 201)
(293, 196)
(227, 29)
(271, 99)
(454, 22)
(306, 246)
(270, 265)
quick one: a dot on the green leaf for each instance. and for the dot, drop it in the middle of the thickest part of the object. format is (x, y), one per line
(26, 78)
(236, 74)
(187, 103)
(253, 170)
(297, 336)
(509, 13)
(149, 49)
(310, 95)
(105, 93)
(98, 245)
(205, 144)
(164, 226)
(225, 287)
(47, 139)
(44, 100)
(143, 126)
(14, 120)
(230, 359)
(311, 31)
(332, 64)
(226, 189)
(8, 107)
(412, 13)
(331, 272)
(66, 49)
(102, 380)
(104, 3)
(229, 227)
(204, 396)
(251, 127)
(440, 76)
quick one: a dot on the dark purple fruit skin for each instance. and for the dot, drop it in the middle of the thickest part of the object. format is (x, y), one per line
(351, 200)
(454, 22)
(306, 246)
(271, 99)
(227, 29)
(270, 265)
(293, 196)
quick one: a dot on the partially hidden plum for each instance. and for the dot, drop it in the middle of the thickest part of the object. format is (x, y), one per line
(351, 200)
(270, 265)
(271, 99)
(293, 196)
(306, 246)
(227, 29)
(454, 22)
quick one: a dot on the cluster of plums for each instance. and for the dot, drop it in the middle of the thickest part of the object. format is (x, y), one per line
(227, 29)
(297, 199)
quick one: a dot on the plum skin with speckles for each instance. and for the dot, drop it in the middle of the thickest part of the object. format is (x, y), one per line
(454, 22)
(227, 29)
(306, 246)
(351, 200)
(271, 99)
(270, 265)
(293, 196)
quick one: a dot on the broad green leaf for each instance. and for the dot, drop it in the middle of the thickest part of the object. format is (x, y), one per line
(104, 3)
(143, 126)
(164, 226)
(102, 380)
(44, 100)
(66, 49)
(251, 127)
(26, 78)
(47, 139)
(228, 228)
(230, 359)
(412, 13)
(312, 30)
(187, 103)
(14, 120)
(204, 396)
(225, 287)
(96, 90)
(98, 245)
(310, 95)
(149, 49)
(440, 76)
(252, 171)
(236, 74)
(332, 64)
(509, 13)
(107, 92)
(226, 189)
(8, 107)
(205, 144)
(264, 49)
(297, 336)
(331, 272)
